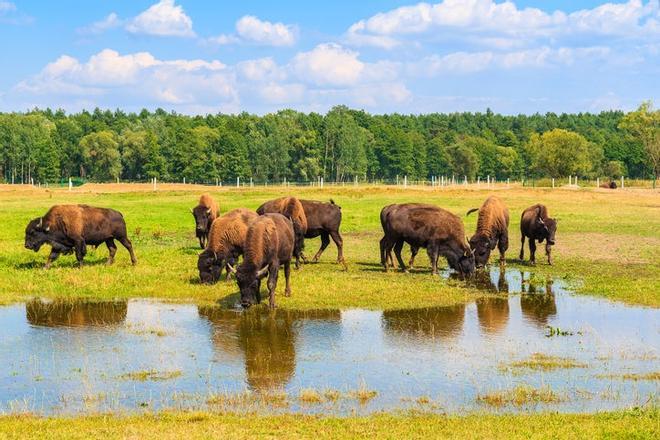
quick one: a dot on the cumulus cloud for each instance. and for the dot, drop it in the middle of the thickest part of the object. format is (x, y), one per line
(162, 19)
(252, 30)
(6, 7)
(328, 64)
(98, 27)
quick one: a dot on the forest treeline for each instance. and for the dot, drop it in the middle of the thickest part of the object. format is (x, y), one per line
(51, 146)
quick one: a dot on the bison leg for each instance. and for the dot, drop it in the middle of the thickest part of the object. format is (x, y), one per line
(325, 241)
(52, 257)
(548, 249)
(339, 242)
(112, 248)
(433, 255)
(383, 252)
(129, 246)
(201, 242)
(397, 252)
(287, 277)
(80, 248)
(522, 247)
(502, 246)
(273, 271)
(413, 254)
(532, 251)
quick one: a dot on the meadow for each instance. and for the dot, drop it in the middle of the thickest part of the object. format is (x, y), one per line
(607, 245)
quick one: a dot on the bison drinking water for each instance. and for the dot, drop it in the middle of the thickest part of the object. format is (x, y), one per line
(291, 208)
(536, 224)
(492, 230)
(205, 212)
(225, 245)
(70, 228)
(427, 226)
(269, 244)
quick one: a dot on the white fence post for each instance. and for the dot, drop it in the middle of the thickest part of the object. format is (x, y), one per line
(576, 180)
(70, 184)
(321, 182)
(184, 180)
(507, 182)
(251, 184)
(597, 182)
(405, 181)
(553, 182)
(622, 183)
(238, 182)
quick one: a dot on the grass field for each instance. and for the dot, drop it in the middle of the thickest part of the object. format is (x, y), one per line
(638, 424)
(608, 244)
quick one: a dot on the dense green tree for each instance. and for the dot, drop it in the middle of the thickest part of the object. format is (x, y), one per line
(559, 152)
(644, 125)
(101, 157)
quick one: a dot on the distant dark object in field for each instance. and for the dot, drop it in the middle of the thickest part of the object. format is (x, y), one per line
(425, 226)
(205, 212)
(609, 185)
(536, 224)
(68, 228)
(269, 244)
(323, 219)
(64, 313)
(492, 230)
(291, 208)
(225, 244)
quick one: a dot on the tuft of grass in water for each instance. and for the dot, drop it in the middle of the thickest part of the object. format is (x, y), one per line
(144, 375)
(544, 362)
(331, 395)
(363, 394)
(231, 399)
(310, 396)
(655, 375)
(519, 396)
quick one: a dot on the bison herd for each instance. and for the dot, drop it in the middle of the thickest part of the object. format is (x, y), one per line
(271, 237)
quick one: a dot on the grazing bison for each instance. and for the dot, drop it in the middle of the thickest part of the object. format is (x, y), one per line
(226, 240)
(269, 244)
(205, 212)
(383, 222)
(70, 228)
(291, 208)
(608, 185)
(536, 224)
(430, 227)
(492, 230)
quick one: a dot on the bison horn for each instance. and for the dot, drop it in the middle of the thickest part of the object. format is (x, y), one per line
(471, 211)
(231, 268)
(41, 221)
(47, 228)
(541, 221)
(191, 211)
(215, 256)
(208, 211)
(262, 273)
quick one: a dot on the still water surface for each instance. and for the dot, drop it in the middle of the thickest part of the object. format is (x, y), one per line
(76, 357)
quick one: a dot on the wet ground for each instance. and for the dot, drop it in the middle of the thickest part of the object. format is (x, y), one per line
(70, 357)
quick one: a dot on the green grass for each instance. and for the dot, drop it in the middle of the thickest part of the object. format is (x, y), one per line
(543, 362)
(521, 395)
(636, 424)
(608, 244)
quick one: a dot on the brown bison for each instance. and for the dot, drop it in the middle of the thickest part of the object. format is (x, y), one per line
(205, 212)
(291, 208)
(608, 185)
(323, 219)
(426, 226)
(70, 228)
(492, 230)
(269, 244)
(536, 224)
(225, 244)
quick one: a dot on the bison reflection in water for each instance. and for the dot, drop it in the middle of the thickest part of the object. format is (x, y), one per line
(267, 341)
(75, 313)
(538, 305)
(493, 314)
(443, 322)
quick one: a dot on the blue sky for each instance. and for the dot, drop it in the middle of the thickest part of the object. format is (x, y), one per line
(383, 56)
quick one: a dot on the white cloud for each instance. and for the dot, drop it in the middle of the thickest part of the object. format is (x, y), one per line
(260, 70)
(252, 30)
(328, 64)
(162, 19)
(110, 22)
(6, 7)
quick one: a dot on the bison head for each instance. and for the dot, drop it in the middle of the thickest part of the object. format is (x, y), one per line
(249, 282)
(481, 247)
(202, 216)
(549, 227)
(462, 263)
(209, 266)
(36, 234)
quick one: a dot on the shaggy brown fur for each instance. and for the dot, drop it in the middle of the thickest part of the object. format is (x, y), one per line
(608, 185)
(268, 245)
(536, 224)
(492, 230)
(225, 244)
(422, 225)
(205, 213)
(72, 227)
(291, 208)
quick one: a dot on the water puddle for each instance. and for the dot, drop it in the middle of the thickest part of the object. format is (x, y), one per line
(591, 354)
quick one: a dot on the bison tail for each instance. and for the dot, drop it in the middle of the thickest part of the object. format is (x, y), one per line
(471, 211)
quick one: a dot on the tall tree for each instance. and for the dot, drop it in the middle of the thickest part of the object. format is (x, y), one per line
(644, 124)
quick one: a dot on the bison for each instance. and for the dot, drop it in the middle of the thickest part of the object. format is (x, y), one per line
(225, 244)
(536, 224)
(323, 219)
(269, 244)
(70, 228)
(608, 185)
(492, 230)
(291, 208)
(430, 227)
(205, 212)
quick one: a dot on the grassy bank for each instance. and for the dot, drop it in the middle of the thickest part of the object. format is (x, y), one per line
(607, 244)
(625, 424)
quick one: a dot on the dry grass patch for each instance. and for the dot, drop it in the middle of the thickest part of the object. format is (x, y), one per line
(145, 375)
(521, 395)
(654, 375)
(310, 396)
(544, 362)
